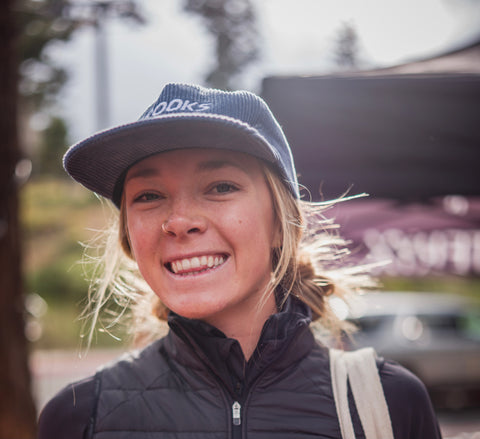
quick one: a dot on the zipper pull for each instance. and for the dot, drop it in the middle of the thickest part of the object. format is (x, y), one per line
(236, 413)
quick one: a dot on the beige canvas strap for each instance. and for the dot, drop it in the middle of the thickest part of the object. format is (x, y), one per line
(360, 368)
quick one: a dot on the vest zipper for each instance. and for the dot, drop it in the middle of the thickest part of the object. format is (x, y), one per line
(236, 420)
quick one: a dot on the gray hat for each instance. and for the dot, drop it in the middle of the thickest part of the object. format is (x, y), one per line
(184, 116)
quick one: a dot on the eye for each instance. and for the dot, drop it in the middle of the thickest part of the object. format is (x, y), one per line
(146, 197)
(224, 188)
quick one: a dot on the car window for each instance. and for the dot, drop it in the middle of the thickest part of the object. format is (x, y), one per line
(470, 325)
(440, 322)
(369, 324)
(462, 325)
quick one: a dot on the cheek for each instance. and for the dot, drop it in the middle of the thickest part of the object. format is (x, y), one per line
(267, 220)
(140, 236)
(257, 228)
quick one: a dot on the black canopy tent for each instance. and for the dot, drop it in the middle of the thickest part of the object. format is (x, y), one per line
(404, 137)
(406, 140)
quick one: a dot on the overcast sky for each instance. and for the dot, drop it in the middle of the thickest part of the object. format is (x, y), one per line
(297, 37)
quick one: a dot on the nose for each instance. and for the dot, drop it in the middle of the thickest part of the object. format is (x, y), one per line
(184, 219)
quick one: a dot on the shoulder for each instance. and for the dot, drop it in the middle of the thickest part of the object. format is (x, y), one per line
(67, 415)
(409, 404)
(70, 413)
(399, 382)
(135, 369)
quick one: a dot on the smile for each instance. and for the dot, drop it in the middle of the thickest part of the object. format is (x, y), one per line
(195, 265)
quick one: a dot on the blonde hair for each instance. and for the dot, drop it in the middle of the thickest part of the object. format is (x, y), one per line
(309, 263)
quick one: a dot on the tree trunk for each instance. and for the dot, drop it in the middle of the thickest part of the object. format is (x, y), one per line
(17, 409)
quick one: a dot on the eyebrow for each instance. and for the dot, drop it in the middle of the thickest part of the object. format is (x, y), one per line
(208, 165)
(142, 173)
(218, 164)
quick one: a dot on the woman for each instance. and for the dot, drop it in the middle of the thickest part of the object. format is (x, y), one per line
(211, 220)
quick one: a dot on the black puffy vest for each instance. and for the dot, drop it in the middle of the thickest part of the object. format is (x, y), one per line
(195, 384)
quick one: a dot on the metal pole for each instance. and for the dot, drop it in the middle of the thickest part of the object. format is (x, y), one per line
(102, 97)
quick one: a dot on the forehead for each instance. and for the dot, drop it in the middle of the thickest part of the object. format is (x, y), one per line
(196, 159)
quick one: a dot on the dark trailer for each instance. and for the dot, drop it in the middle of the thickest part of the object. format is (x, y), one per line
(412, 142)
(403, 137)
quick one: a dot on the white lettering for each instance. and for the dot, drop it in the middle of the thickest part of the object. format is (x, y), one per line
(187, 106)
(159, 109)
(378, 249)
(419, 253)
(438, 250)
(421, 250)
(174, 105)
(476, 251)
(461, 251)
(178, 105)
(203, 107)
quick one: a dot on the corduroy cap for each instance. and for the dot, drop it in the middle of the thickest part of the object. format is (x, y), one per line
(184, 116)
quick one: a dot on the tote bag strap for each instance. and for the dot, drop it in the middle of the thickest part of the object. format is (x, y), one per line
(360, 368)
(338, 370)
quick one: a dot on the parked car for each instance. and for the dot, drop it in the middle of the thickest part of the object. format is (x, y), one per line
(436, 336)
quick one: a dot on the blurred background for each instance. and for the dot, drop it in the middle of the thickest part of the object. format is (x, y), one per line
(378, 97)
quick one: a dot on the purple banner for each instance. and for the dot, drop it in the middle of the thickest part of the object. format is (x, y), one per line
(417, 239)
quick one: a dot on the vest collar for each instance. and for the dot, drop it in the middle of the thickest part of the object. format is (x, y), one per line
(284, 340)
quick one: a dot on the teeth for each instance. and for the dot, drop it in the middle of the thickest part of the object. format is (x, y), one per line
(186, 264)
(195, 263)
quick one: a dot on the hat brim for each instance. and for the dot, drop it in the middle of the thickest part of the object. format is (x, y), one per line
(101, 161)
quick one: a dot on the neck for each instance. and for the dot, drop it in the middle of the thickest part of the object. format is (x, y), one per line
(247, 330)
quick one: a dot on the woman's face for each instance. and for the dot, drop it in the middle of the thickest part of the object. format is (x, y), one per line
(202, 228)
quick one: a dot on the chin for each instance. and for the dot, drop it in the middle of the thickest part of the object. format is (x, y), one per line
(196, 311)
